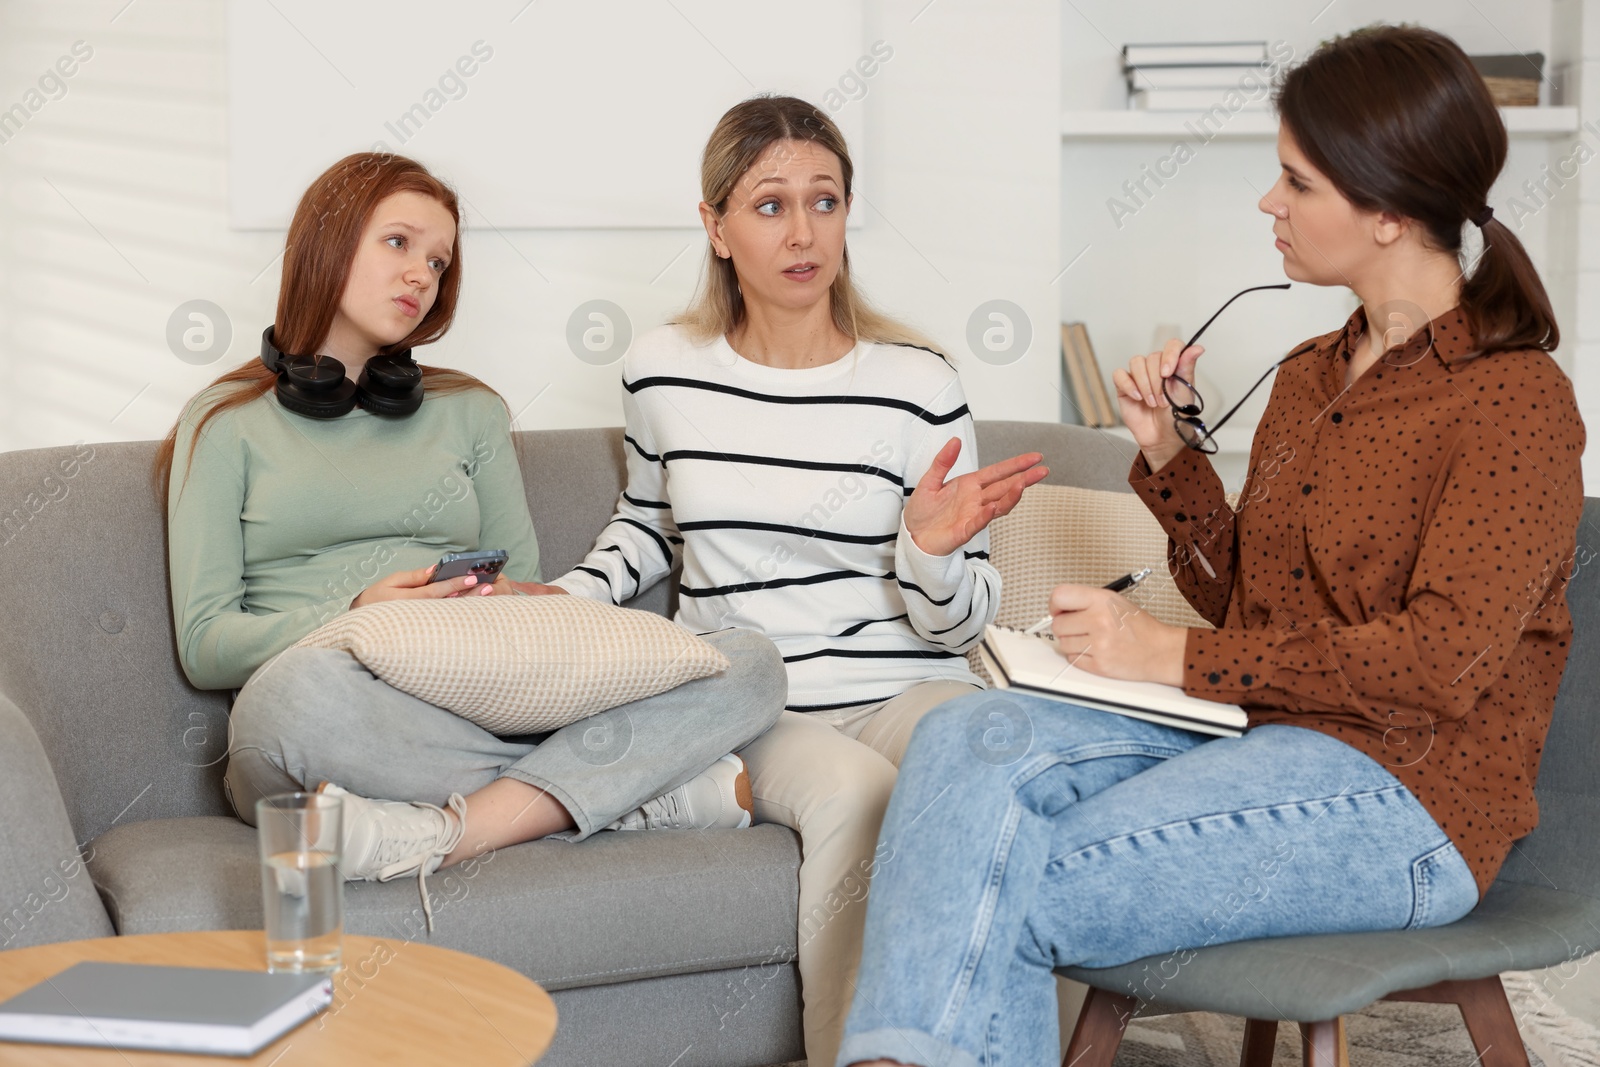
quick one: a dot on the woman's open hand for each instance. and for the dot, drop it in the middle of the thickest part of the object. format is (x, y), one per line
(942, 516)
(1144, 406)
(414, 585)
(1105, 633)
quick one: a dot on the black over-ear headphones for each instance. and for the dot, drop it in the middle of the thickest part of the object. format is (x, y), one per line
(316, 386)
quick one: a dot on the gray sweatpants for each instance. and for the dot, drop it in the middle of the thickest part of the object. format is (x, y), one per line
(315, 715)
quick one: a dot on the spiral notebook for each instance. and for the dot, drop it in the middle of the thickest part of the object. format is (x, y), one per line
(1032, 664)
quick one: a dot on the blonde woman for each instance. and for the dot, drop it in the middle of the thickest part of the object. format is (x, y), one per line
(811, 464)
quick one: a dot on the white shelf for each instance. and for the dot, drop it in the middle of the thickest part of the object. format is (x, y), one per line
(1231, 440)
(1245, 125)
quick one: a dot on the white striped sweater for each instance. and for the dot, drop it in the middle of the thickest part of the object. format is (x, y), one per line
(781, 491)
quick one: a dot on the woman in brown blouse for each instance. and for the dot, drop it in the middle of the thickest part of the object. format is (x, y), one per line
(1389, 595)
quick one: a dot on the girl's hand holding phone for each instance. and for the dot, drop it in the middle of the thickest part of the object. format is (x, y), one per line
(1144, 405)
(414, 585)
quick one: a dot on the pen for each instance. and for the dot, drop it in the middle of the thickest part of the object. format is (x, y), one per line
(1126, 582)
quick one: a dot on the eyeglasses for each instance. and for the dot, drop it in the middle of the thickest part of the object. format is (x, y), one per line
(1186, 401)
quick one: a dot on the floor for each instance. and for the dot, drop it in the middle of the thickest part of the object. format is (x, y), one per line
(1576, 988)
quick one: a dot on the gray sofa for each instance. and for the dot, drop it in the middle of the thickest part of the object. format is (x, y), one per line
(657, 948)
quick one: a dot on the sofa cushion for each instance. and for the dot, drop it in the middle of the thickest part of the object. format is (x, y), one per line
(1320, 976)
(94, 665)
(520, 664)
(618, 906)
(1062, 533)
(1075, 455)
(733, 1018)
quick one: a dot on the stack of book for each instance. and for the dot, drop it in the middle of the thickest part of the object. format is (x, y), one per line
(1084, 380)
(1191, 77)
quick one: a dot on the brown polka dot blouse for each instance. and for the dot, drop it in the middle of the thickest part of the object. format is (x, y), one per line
(1395, 571)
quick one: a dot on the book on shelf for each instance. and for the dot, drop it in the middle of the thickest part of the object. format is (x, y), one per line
(172, 1009)
(1220, 77)
(1077, 384)
(1033, 663)
(1084, 375)
(1097, 378)
(1193, 54)
(1189, 100)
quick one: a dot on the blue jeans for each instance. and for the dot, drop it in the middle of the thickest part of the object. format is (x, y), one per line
(1026, 834)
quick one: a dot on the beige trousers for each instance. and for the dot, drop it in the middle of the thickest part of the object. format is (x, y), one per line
(828, 775)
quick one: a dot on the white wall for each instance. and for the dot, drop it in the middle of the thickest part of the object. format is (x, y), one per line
(113, 212)
(113, 208)
(615, 100)
(1575, 212)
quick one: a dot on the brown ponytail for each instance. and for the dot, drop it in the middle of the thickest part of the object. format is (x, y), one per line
(1399, 120)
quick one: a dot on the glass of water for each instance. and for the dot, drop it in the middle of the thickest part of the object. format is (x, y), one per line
(302, 891)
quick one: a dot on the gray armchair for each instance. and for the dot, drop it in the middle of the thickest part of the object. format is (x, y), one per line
(1542, 910)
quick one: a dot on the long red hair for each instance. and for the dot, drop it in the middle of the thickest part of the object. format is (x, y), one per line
(321, 245)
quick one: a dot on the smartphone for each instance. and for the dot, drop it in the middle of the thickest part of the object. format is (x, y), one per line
(486, 565)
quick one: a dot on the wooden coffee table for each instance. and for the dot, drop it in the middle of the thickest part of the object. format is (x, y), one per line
(395, 1001)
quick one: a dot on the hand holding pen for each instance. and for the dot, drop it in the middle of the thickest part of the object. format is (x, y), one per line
(1123, 584)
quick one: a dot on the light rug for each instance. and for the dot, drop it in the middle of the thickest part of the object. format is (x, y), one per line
(1387, 1034)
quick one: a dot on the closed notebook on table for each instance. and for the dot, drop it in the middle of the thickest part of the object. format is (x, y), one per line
(170, 1009)
(1030, 663)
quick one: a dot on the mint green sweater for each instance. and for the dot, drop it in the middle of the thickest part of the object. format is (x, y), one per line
(281, 520)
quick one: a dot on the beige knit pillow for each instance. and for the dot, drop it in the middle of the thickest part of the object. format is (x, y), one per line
(520, 664)
(1063, 533)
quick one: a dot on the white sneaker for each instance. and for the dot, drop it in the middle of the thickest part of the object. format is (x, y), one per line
(716, 798)
(387, 839)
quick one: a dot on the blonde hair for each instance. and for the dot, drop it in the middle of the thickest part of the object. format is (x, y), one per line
(742, 135)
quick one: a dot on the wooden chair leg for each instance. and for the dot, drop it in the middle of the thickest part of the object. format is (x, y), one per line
(1490, 1021)
(1098, 1035)
(1323, 1044)
(1260, 1041)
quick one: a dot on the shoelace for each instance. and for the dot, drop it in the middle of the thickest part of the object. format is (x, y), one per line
(399, 853)
(663, 808)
